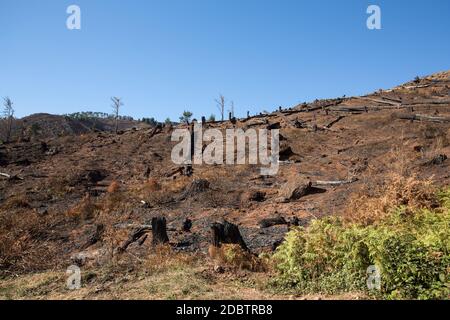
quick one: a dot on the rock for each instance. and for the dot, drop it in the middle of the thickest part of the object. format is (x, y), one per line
(84, 257)
(42, 211)
(79, 259)
(295, 189)
(287, 154)
(219, 269)
(51, 151)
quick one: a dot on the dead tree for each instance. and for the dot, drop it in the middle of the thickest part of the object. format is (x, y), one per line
(8, 114)
(232, 109)
(221, 106)
(117, 103)
(227, 233)
(159, 231)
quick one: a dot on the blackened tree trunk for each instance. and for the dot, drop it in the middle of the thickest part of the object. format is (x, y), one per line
(159, 231)
(216, 234)
(226, 233)
(187, 225)
(233, 235)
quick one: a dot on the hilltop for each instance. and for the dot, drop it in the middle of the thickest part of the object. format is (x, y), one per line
(48, 126)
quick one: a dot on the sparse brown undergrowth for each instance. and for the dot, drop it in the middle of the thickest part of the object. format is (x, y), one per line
(409, 192)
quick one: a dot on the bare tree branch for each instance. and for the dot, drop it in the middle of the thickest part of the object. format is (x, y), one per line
(221, 105)
(8, 114)
(117, 103)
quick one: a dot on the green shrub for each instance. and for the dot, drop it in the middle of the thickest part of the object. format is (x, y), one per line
(411, 250)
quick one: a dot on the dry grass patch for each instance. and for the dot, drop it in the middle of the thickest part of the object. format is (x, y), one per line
(397, 191)
(234, 256)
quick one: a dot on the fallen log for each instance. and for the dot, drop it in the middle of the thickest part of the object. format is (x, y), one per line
(174, 172)
(138, 226)
(355, 110)
(399, 101)
(334, 183)
(422, 117)
(133, 237)
(332, 123)
(433, 102)
(416, 87)
(10, 177)
(381, 101)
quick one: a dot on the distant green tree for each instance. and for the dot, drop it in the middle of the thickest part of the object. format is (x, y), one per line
(168, 121)
(212, 118)
(186, 117)
(150, 121)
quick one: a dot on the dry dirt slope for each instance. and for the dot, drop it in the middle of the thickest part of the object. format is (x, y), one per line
(84, 194)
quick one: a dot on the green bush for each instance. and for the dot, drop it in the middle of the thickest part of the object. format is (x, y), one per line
(411, 250)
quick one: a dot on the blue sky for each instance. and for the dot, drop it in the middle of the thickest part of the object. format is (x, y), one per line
(165, 56)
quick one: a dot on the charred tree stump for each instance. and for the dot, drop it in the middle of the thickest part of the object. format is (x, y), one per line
(216, 234)
(187, 225)
(227, 233)
(270, 222)
(159, 231)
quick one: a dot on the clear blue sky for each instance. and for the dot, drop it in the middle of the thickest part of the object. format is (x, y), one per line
(165, 56)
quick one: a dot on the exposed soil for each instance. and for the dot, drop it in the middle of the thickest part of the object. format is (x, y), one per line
(61, 189)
